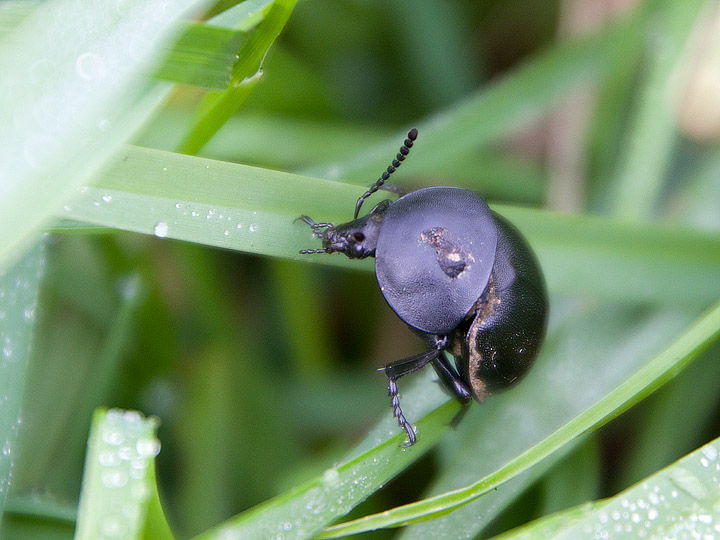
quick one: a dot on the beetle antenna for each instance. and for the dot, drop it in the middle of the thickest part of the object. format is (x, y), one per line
(312, 251)
(404, 150)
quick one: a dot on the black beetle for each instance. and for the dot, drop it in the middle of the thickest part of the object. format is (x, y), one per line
(459, 275)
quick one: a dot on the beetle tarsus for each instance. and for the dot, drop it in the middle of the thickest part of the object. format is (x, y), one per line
(398, 368)
(397, 412)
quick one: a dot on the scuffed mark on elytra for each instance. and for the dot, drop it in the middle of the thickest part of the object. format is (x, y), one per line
(451, 257)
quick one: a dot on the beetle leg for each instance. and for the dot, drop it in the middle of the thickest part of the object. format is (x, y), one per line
(405, 366)
(397, 369)
(451, 379)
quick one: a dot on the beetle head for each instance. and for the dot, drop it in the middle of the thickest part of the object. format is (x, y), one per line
(356, 239)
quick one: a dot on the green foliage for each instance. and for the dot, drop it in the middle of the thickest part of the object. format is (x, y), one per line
(258, 362)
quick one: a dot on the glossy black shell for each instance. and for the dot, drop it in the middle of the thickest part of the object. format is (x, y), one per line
(499, 344)
(434, 256)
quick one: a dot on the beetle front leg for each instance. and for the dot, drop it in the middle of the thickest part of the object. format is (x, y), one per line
(398, 368)
(395, 370)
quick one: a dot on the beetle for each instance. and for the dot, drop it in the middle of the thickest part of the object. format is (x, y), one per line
(459, 275)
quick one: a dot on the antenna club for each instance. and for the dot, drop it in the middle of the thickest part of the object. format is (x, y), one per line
(404, 151)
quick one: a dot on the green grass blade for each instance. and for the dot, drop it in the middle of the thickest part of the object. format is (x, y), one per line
(682, 500)
(643, 165)
(72, 90)
(292, 143)
(37, 517)
(118, 477)
(219, 106)
(18, 298)
(203, 56)
(243, 16)
(305, 510)
(493, 112)
(556, 390)
(156, 525)
(253, 210)
(661, 369)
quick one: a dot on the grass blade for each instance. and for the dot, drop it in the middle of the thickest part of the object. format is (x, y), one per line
(679, 501)
(72, 91)
(203, 56)
(18, 297)
(494, 111)
(305, 510)
(118, 478)
(640, 180)
(661, 369)
(252, 209)
(219, 106)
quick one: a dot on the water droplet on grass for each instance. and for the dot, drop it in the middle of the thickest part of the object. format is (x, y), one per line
(161, 229)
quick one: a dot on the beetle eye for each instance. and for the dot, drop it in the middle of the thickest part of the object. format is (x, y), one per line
(358, 237)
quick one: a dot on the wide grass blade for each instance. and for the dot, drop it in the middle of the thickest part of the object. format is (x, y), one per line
(72, 90)
(252, 209)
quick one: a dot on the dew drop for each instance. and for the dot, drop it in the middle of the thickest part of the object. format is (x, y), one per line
(688, 482)
(331, 476)
(125, 453)
(710, 452)
(113, 478)
(161, 229)
(90, 66)
(111, 526)
(108, 459)
(113, 437)
(107, 198)
(148, 447)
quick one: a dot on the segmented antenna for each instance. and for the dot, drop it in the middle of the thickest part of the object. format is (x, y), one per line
(317, 229)
(404, 150)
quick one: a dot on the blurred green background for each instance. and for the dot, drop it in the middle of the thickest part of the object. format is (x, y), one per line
(262, 368)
